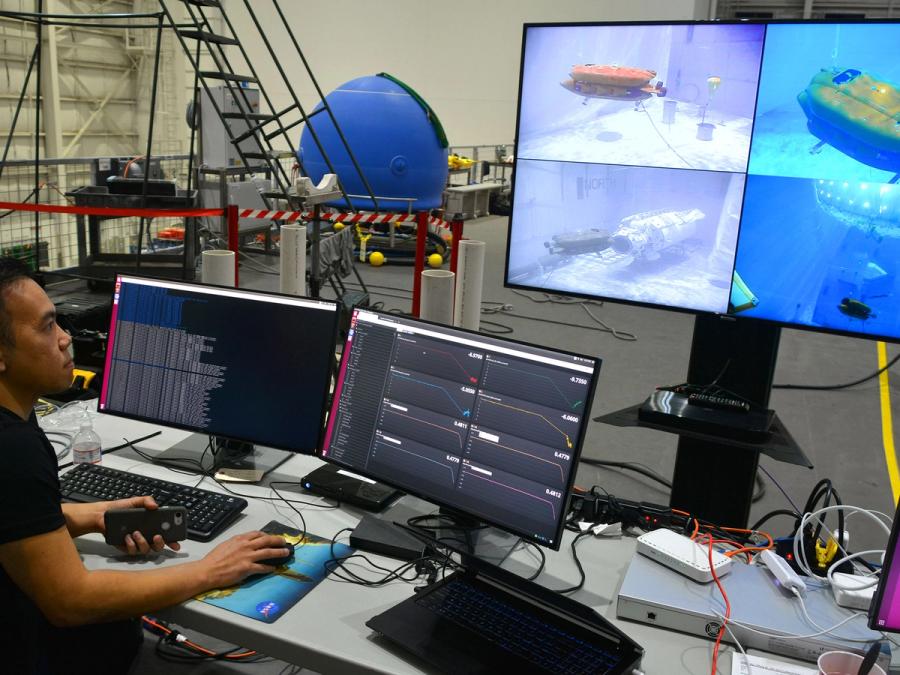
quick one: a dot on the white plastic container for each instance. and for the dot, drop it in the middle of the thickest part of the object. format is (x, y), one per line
(86, 447)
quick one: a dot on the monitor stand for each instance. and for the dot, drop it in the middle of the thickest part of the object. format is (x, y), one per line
(378, 534)
(234, 461)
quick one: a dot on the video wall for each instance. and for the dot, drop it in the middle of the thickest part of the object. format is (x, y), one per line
(738, 168)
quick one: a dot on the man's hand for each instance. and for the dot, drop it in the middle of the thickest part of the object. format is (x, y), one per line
(86, 518)
(237, 558)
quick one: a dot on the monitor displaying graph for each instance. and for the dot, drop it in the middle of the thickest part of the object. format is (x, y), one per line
(489, 428)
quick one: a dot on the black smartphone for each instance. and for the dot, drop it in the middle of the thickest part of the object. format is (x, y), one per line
(168, 521)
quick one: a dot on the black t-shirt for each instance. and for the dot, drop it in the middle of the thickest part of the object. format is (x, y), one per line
(29, 506)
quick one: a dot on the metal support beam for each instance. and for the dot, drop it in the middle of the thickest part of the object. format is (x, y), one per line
(50, 99)
(100, 108)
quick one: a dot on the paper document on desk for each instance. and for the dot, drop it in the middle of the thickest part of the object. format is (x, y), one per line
(267, 597)
(765, 666)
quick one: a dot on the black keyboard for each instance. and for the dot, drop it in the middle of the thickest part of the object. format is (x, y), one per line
(518, 629)
(208, 512)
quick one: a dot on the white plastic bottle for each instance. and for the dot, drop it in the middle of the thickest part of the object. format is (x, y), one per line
(86, 445)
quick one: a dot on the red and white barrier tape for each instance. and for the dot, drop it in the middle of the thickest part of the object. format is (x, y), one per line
(348, 218)
(289, 216)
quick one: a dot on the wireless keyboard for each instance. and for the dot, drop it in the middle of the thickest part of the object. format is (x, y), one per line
(208, 512)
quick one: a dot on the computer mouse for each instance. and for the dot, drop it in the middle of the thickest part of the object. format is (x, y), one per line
(276, 562)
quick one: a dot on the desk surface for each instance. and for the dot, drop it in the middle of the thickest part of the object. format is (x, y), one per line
(326, 630)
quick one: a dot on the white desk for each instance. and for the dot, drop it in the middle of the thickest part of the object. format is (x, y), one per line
(326, 630)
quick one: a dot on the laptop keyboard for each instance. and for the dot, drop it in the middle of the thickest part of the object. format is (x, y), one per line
(208, 512)
(546, 644)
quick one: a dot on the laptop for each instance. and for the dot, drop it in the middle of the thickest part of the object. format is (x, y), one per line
(484, 619)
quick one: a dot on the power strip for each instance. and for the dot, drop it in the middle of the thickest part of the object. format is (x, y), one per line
(853, 591)
(682, 554)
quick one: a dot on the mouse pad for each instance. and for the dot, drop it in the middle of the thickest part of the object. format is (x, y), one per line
(268, 596)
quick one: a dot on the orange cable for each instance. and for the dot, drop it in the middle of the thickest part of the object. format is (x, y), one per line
(715, 659)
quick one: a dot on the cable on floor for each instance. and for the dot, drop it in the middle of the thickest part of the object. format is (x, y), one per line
(833, 387)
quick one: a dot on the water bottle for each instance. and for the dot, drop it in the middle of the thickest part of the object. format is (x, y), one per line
(86, 445)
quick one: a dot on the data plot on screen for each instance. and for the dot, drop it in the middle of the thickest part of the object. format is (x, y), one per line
(416, 460)
(529, 420)
(440, 359)
(517, 495)
(424, 426)
(534, 382)
(434, 393)
(519, 455)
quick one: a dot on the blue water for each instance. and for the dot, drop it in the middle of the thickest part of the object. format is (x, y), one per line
(794, 54)
(689, 267)
(557, 124)
(806, 245)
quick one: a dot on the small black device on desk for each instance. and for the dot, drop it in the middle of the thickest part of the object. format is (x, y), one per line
(208, 513)
(331, 481)
(484, 619)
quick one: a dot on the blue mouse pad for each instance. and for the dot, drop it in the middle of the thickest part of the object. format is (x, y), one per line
(267, 597)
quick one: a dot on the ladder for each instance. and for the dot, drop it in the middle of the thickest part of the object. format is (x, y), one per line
(245, 128)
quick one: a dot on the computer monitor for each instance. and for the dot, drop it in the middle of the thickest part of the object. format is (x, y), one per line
(884, 612)
(234, 364)
(485, 427)
(727, 169)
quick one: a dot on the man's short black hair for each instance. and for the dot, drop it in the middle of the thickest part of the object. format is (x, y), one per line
(12, 271)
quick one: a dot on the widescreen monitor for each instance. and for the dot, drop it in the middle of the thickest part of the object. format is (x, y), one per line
(231, 363)
(722, 168)
(489, 428)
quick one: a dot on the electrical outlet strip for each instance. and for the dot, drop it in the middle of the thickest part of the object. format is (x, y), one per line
(782, 571)
(847, 595)
(682, 555)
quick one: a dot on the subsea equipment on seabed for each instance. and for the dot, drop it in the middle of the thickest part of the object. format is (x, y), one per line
(857, 114)
(613, 82)
(704, 128)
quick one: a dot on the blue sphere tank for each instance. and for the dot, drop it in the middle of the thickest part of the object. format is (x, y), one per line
(396, 138)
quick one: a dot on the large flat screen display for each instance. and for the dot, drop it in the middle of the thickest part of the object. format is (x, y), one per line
(727, 168)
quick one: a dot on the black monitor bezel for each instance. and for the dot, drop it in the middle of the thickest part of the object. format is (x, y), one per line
(670, 308)
(889, 560)
(576, 453)
(212, 432)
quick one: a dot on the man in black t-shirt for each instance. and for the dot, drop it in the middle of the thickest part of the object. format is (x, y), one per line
(55, 615)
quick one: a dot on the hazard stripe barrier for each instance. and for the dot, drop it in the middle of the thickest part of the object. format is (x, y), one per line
(349, 218)
(289, 216)
(104, 211)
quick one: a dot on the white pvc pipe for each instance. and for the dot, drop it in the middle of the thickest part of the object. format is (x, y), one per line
(469, 284)
(293, 259)
(437, 296)
(217, 267)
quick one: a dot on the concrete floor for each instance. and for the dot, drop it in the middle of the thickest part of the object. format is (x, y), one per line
(840, 431)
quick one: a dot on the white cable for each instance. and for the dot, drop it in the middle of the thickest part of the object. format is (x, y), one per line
(792, 637)
(829, 630)
(852, 586)
(62, 443)
(739, 646)
(800, 551)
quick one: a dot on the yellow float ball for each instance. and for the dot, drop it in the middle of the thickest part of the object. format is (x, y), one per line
(376, 258)
(435, 260)
(338, 226)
